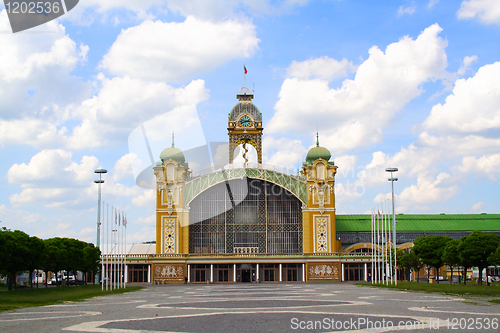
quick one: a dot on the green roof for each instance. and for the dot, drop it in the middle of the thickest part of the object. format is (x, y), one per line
(423, 222)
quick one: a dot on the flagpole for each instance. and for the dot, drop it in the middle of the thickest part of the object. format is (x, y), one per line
(125, 231)
(373, 250)
(101, 248)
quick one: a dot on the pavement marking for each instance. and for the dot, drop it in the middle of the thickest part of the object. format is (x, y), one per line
(71, 314)
(426, 309)
(173, 305)
(91, 304)
(95, 326)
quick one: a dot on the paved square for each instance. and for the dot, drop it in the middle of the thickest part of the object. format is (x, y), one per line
(300, 307)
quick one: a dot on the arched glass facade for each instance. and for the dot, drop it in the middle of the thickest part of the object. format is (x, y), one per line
(266, 219)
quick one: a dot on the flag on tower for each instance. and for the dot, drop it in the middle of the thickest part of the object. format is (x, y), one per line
(245, 68)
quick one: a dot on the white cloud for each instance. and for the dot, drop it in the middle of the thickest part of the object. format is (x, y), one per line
(432, 3)
(123, 167)
(53, 167)
(356, 113)
(288, 154)
(122, 104)
(146, 199)
(427, 191)
(346, 165)
(175, 51)
(486, 11)
(408, 10)
(222, 9)
(477, 207)
(324, 68)
(35, 72)
(472, 108)
(466, 63)
(487, 165)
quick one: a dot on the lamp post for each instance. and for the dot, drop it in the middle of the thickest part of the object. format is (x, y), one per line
(99, 182)
(392, 180)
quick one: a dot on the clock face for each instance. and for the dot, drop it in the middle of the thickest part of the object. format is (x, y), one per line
(245, 121)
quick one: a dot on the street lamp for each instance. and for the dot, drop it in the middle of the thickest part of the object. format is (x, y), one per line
(392, 180)
(99, 182)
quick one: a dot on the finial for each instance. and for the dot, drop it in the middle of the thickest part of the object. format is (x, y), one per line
(173, 139)
(317, 139)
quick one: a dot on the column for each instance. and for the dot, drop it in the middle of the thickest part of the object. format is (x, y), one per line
(366, 273)
(189, 273)
(211, 273)
(303, 272)
(258, 276)
(342, 273)
(281, 272)
(126, 275)
(149, 273)
(234, 273)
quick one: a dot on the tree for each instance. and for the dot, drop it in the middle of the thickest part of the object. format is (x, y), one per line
(54, 256)
(477, 248)
(15, 253)
(415, 263)
(430, 250)
(91, 256)
(36, 257)
(404, 262)
(450, 255)
(494, 258)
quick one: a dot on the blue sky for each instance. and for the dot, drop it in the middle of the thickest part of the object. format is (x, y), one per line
(407, 84)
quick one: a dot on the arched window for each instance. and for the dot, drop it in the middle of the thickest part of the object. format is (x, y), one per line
(245, 216)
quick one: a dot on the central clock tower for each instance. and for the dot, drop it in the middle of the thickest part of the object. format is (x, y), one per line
(244, 125)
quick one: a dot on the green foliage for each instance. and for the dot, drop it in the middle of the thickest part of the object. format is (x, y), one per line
(450, 255)
(430, 249)
(46, 296)
(20, 252)
(477, 248)
(494, 258)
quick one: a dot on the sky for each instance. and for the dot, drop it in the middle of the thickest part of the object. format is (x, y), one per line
(408, 84)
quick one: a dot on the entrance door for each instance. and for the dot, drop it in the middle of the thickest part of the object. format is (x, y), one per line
(246, 272)
(245, 275)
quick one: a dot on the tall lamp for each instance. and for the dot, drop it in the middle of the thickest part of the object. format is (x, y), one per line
(99, 182)
(392, 180)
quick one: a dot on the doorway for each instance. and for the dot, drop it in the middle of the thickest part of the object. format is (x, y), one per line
(246, 273)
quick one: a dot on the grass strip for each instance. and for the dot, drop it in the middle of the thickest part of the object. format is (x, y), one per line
(22, 298)
(446, 288)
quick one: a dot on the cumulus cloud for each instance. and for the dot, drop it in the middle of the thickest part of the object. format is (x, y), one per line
(466, 63)
(324, 68)
(486, 11)
(356, 113)
(427, 190)
(35, 73)
(289, 153)
(472, 107)
(123, 167)
(487, 165)
(175, 51)
(53, 167)
(124, 103)
(146, 199)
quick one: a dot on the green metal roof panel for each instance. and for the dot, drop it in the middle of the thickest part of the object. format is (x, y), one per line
(424, 222)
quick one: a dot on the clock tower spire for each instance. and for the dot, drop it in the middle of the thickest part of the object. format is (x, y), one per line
(244, 125)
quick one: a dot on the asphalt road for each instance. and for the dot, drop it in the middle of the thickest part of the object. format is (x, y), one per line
(241, 308)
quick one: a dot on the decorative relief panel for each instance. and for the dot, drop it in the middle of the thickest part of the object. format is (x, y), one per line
(321, 233)
(169, 235)
(323, 271)
(175, 272)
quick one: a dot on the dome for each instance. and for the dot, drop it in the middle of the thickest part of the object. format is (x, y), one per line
(318, 152)
(172, 153)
